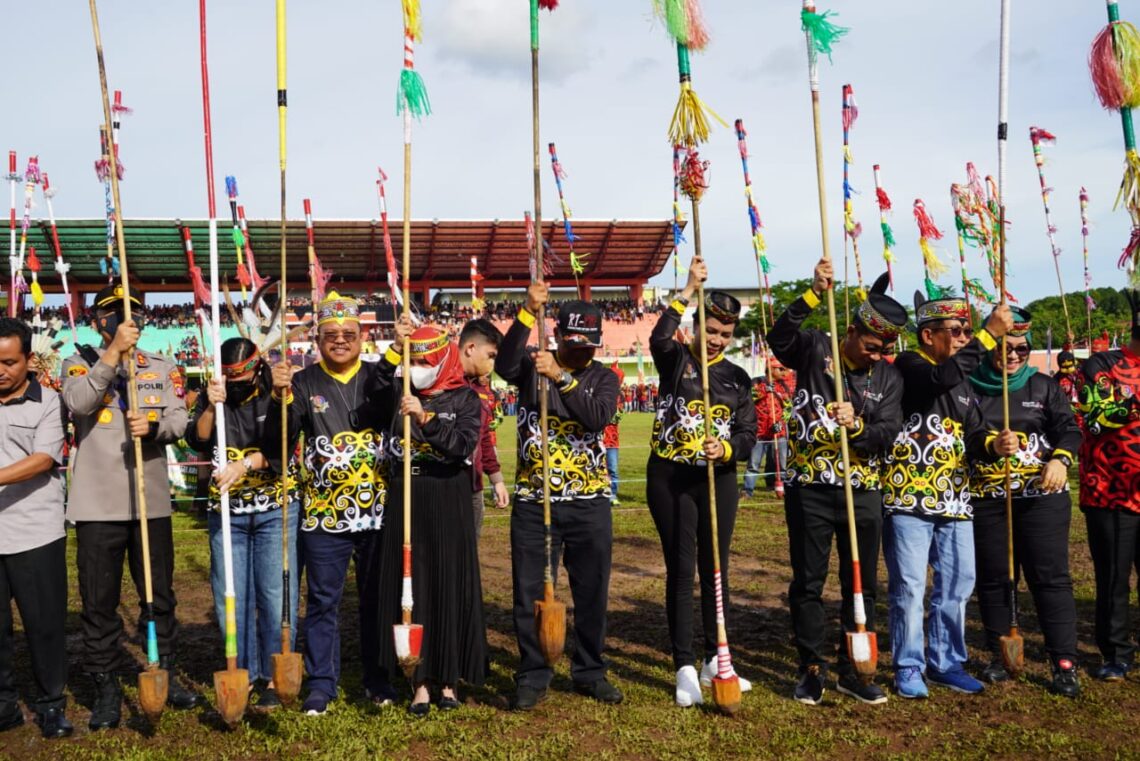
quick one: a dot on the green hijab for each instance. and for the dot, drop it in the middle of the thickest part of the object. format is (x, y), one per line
(987, 380)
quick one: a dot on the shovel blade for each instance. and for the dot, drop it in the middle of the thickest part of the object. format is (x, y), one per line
(726, 694)
(154, 683)
(550, 621)
(863, 649)
(1013, 653)
(287, 675)
(232, 689)
(409, 639)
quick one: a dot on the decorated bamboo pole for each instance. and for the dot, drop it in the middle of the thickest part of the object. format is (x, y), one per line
(1114, 63)
(199, 289)
(411, 100)
(577, 260)
(153, 681)
(956, 201)
(36, 290)
(1012, 645)
(231, 685)
(109, 265)
(932, 266)
(1039, 137)
(763, 266)
(689, 128)
(389, 255)
(317, 277)
(287, 665)
(248, 276)
(549, 613)
(31, 180)
(678, 218)
(821, 34)
(883, 201)
(14, 178)
(1090, 305)
(851, 227)
(60, 266)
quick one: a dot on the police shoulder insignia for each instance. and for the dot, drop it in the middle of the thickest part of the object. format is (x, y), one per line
(76, 370)
(152, 416)
(148, 376)
(141, 360)
(105, 416)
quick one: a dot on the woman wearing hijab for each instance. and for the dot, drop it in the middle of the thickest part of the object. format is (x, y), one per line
(1039, 443)
(446, 418)
(255, 510)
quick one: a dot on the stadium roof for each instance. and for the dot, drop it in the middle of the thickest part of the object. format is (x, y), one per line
(621, 252)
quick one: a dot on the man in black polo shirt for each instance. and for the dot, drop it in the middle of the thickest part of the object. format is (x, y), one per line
(33, 544)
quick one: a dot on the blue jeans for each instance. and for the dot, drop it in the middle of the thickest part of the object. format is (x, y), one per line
(910, 543)
(256, 542)
(612, 467)
(761, 450)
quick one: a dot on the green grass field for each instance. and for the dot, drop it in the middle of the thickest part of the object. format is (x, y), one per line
(1014, 720)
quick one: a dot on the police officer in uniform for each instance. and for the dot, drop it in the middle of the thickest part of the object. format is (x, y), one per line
(102, 502)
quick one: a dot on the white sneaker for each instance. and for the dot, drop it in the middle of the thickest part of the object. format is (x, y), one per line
(708, 671)
(688, 687)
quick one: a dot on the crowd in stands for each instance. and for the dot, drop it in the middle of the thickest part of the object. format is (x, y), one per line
(639, 397)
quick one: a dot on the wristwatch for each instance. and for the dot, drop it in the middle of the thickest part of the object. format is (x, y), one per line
(565, 381)
(1064, 460)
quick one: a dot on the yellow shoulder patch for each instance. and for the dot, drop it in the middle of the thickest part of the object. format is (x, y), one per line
(105, 416)
(76, 370)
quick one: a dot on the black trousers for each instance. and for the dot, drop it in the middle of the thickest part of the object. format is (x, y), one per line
(582, 534)
(1041, 554)
(678, 498)
(37, 580)
(815, 515)
(1114, 543)
(101, 547)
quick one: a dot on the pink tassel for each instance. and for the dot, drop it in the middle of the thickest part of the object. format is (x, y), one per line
(198, 284)
(1105, 70)
(926, 226)
(693, 180)
(1038, 135)
(243, 275)
(548, 4)
(698, 32)
(883, 199)
(974, 181)
(850, 110)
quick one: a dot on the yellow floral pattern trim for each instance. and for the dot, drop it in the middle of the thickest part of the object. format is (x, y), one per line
(347, 485)
(258, 491)
(987, 479)
(577, 460)
(927, 472)
(815, 456)
(683, 441)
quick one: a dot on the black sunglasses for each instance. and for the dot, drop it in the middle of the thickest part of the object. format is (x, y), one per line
(1021, 350)
(957, 331)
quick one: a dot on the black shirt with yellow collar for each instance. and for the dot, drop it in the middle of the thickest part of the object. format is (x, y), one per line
(578, 413)
(875, 393)
(928, 473)
(679, 425)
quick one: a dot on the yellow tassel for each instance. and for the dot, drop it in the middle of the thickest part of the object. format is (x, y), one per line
(759, 245)
(412, 19)
(37, 293)
(690, 125)
(847, 155)
(934, 265)
(860, 294)
(1129, 193)
(477, 304)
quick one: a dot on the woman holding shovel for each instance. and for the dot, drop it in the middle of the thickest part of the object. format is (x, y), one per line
(677, 475)
(446, 424)
(1041, 440)
(255, 508)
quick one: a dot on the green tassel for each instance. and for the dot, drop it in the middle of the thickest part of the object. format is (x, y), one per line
(935, 291)
(824, 34)
(888, 236)
(239, 239)
(765, 265)
(412, 94)
(672, 12)
(578, 263)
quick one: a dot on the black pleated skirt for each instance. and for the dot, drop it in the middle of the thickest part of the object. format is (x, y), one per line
(446, 588)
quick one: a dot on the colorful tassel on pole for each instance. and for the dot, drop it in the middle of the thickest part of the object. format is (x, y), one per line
(577, 260)
(851, 227)
(931, 264)
(34, 268)
(822, 32)
(412, 93)
(884, 203)
(694, 183)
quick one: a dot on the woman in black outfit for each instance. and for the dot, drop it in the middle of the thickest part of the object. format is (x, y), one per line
(446, 420)
(1040, 443)
(677, 473)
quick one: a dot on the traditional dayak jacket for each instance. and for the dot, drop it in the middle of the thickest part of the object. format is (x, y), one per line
(1109, 388)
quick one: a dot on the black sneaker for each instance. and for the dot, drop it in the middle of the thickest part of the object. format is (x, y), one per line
(53, 724)
(11, 717)
(527, 697)
(1065, 681)
(382, 694)
(600, 690)
(267, 700)
(995, 672)
(1112, 672)
(852, 687)
(810, 689)
(177, 696)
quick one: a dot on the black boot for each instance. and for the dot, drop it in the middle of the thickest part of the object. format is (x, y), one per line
(177, 696)
(108, 708)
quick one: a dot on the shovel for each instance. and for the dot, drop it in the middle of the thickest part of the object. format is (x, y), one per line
(408, 637)
(154, 681)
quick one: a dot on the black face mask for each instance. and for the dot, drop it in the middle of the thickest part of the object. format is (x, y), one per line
(238, 392)
(109, 323)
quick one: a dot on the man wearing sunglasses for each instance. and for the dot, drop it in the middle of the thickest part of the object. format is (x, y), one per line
(926, 495)
(814, 505)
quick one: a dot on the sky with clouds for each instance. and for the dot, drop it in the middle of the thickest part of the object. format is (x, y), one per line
(924, 75)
